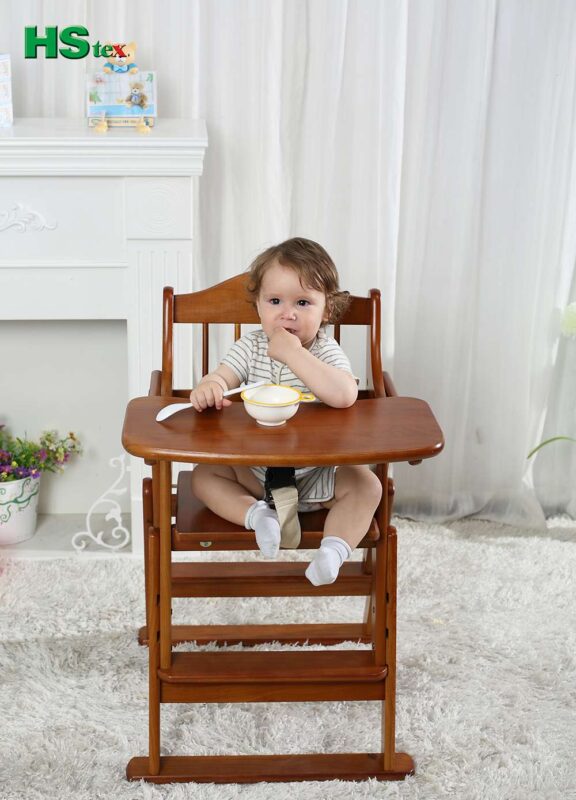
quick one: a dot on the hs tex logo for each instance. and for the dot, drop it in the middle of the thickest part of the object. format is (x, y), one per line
(74, 39)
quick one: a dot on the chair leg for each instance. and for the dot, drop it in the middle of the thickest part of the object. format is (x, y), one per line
(389, 705)
(148, 522)
(156, 495)
(151, 764)
(153, 608)
(379, 572)
(165, 520)
(384, 625)
(367, 568)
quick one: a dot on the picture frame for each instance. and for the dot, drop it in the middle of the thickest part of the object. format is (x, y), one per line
(122, 99)
(6, 111)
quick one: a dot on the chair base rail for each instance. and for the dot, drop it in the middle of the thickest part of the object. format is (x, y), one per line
(326, 634)
(272, 768)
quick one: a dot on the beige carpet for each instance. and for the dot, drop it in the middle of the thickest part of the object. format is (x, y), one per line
(486, 682)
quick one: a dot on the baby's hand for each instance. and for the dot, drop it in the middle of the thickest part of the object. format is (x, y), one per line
(208, 395)
(281, 344)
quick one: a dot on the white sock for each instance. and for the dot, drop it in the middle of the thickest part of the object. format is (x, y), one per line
(263, 520)
(325, 566)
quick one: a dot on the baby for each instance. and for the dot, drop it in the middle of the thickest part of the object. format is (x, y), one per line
(294, 287)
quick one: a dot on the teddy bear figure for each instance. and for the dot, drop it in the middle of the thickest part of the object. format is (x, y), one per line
(122, 64)
(136, 96)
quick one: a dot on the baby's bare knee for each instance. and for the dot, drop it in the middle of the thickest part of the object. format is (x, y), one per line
(197, 475)
(371, 486)
(362, 483)
(366, 486)
(204, 474)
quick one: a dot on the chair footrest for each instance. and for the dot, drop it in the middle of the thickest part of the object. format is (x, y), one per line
(263, 579)
(272, 677)
(277, 666)
(277, 768)
(326, 634)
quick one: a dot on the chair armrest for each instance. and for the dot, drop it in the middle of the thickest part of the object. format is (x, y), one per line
(155, 382)
(390, 390)
(389, 387)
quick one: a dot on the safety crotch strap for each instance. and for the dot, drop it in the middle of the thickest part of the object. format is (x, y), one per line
(281, 491)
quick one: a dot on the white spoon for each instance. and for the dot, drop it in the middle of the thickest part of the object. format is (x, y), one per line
(174, 408)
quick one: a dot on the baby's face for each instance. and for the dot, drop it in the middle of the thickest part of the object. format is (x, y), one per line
(284, 303)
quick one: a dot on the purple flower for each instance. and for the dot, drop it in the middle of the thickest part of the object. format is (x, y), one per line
(21, 458)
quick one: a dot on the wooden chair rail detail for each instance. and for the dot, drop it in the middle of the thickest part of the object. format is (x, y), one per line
(264, 579)
(274, 666)
(247, 635)
(272, 692)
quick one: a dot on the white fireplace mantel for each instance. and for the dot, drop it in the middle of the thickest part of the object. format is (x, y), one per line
(42, 147)
(92, 226)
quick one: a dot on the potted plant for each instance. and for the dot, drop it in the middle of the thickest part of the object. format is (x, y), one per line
(567, 329)
(22, 463)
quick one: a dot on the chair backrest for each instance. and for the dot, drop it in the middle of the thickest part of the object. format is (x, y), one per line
(228, 303)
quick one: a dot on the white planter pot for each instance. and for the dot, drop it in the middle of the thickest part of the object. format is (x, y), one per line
(18, 510)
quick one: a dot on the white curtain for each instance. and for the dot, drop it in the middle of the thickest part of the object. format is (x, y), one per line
(430, 146)
(487, 243)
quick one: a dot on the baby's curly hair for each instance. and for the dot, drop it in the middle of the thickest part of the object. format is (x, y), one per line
(313, 266)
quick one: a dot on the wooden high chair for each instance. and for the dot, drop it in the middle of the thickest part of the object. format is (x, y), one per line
(380, 428)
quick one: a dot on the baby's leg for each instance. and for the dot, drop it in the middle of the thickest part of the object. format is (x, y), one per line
(234, 493)
(227, 491)
(357, 492)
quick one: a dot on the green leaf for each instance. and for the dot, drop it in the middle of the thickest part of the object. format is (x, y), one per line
(553, 439)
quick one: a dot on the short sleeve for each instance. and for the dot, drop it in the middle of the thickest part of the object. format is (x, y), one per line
(239, 357)
(328, 350)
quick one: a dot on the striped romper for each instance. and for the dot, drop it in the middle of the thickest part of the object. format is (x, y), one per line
(248, 359)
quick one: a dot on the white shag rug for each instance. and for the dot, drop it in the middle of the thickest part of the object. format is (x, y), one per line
(486, 677)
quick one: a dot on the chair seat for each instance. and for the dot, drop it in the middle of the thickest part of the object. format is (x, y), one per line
(198, 528)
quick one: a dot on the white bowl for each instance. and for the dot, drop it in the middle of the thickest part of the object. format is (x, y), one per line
(273, 404)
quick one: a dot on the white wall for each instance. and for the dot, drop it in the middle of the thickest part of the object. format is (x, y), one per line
(71, 376)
